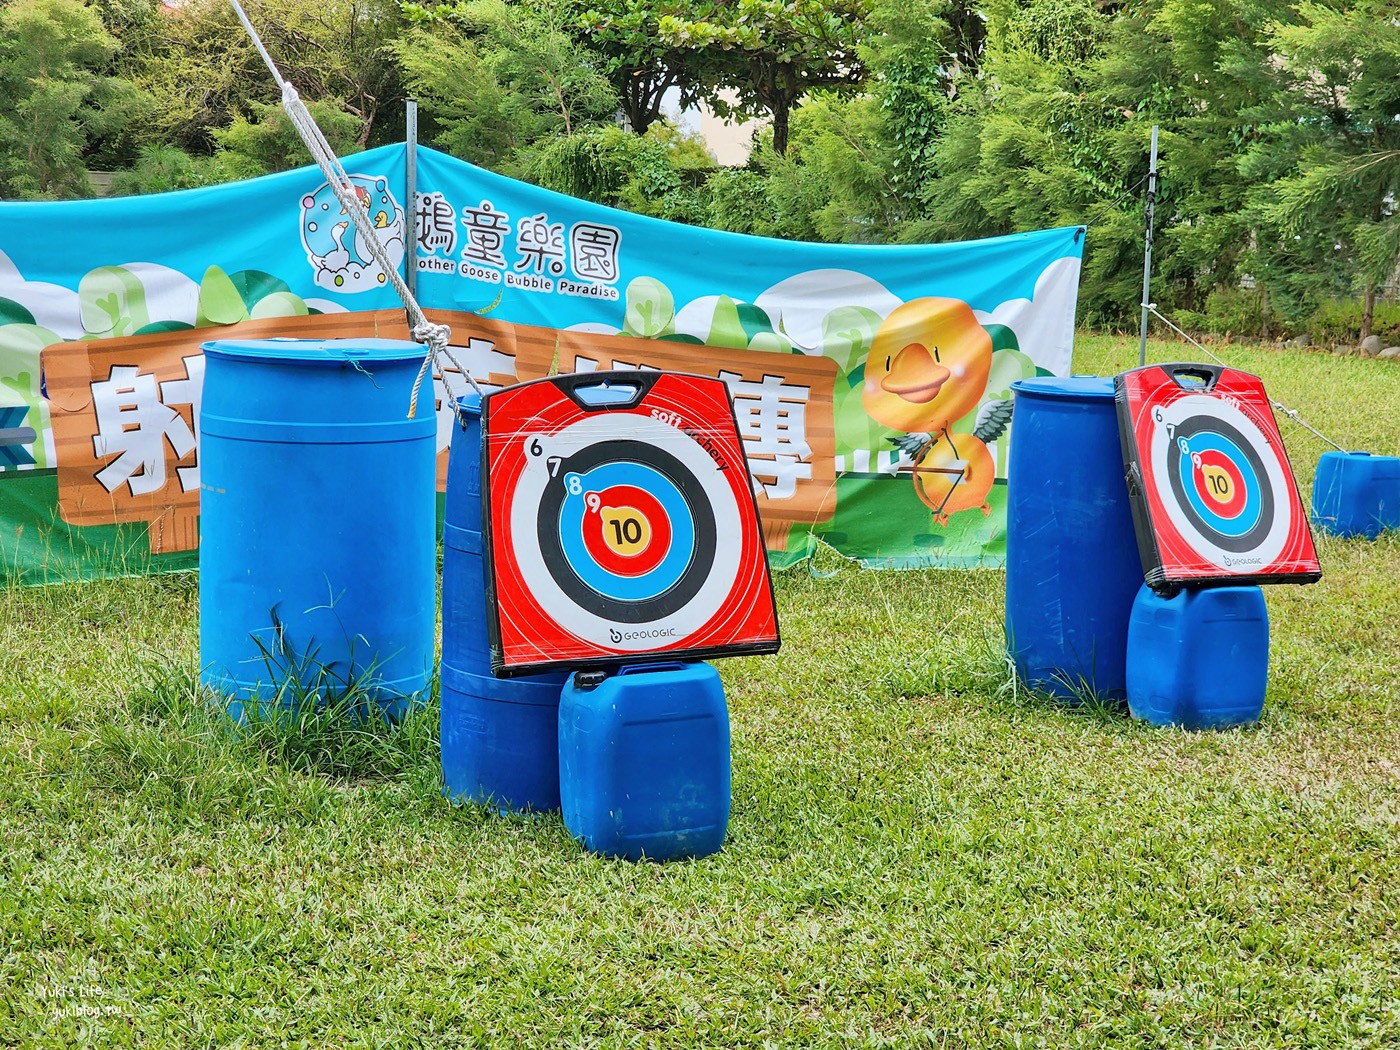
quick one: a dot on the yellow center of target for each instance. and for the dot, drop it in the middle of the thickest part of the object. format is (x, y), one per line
(626, 531)
(1218, 483)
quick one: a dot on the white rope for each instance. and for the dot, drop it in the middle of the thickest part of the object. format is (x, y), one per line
(435, 336)
(1289, 412)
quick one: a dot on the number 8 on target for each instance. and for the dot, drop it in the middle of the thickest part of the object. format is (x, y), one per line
(620, 524)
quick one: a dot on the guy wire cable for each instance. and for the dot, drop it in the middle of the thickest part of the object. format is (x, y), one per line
(434, 336)
(1289, 412)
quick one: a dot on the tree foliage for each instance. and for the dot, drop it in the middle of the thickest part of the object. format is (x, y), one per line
(1332, 152)
(201, 66)
(638, 172)
(886, 120)
(500, 79)
(640, 64)
(770, 53)
(58, 100)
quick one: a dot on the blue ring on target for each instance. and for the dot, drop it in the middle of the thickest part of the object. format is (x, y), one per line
(1209, 441)
(574, 509)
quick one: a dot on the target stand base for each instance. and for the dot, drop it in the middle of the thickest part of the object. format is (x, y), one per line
(644, 763)
(1356, 494)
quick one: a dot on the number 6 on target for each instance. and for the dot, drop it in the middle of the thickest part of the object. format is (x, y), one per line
(620, 524)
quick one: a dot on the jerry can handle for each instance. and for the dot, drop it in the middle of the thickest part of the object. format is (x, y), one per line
(587, 681)
(662, 665)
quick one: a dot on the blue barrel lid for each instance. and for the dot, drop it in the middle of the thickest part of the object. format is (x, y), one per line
(312, 351)
(1066, 388)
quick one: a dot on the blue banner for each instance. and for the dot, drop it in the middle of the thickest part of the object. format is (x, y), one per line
(870, 383)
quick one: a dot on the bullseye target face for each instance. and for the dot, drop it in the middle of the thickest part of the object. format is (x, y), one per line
(625, 531)
(1221, 488)
(614, 534)
(1214, 497)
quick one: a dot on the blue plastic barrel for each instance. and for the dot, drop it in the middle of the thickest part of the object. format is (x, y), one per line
(1200, 658)
(500, 736)
(644, 761)
(1356, 494)
(1072, 564)
(317, 523)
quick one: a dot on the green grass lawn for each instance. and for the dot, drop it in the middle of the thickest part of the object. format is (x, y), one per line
(919, 853)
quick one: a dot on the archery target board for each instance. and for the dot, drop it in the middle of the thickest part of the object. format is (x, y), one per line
(1211, 489)
(620, 524)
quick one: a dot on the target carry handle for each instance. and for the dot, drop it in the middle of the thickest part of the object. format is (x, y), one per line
(1194, 377)
(599, 391)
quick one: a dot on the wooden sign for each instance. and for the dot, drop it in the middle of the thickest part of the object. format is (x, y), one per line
(125, 411)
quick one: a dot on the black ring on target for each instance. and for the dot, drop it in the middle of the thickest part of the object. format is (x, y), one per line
(691, 579)
(1246, 542)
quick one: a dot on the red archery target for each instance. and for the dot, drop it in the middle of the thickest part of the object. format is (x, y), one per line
(1213, 495)
(619, 530)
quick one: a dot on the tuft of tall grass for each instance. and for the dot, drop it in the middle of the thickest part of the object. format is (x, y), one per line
(344, 733)
(172, 743)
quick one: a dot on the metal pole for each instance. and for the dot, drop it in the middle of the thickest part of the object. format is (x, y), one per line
(1147, 249)
(410, 178)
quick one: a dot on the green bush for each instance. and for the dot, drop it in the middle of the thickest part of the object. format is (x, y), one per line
(1190, 320)
(1237, 311)
(614, 167)
(737, 200)
(1339, 321)
(1245, 312)
(161, 169)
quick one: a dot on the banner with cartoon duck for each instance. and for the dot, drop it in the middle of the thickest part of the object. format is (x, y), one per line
(870, 383)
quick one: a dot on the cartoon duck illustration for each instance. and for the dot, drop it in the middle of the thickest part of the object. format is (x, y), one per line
(389, 221)
(379, 219)
(339, 268)
(928, 368)
(954, 472)
(339, 257)
(333, 247)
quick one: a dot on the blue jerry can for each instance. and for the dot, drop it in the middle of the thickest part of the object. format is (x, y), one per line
(1356, 494)
(644, 761)
(1200, 658)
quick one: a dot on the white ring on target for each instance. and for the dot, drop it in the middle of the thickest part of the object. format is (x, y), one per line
(1164, 447)
(524, 524)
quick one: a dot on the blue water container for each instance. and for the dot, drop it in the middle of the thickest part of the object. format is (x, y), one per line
(1356, 494)
(1072, 564)
(318, 519)
(644, 761)
(1199, 659)
(500, 736)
